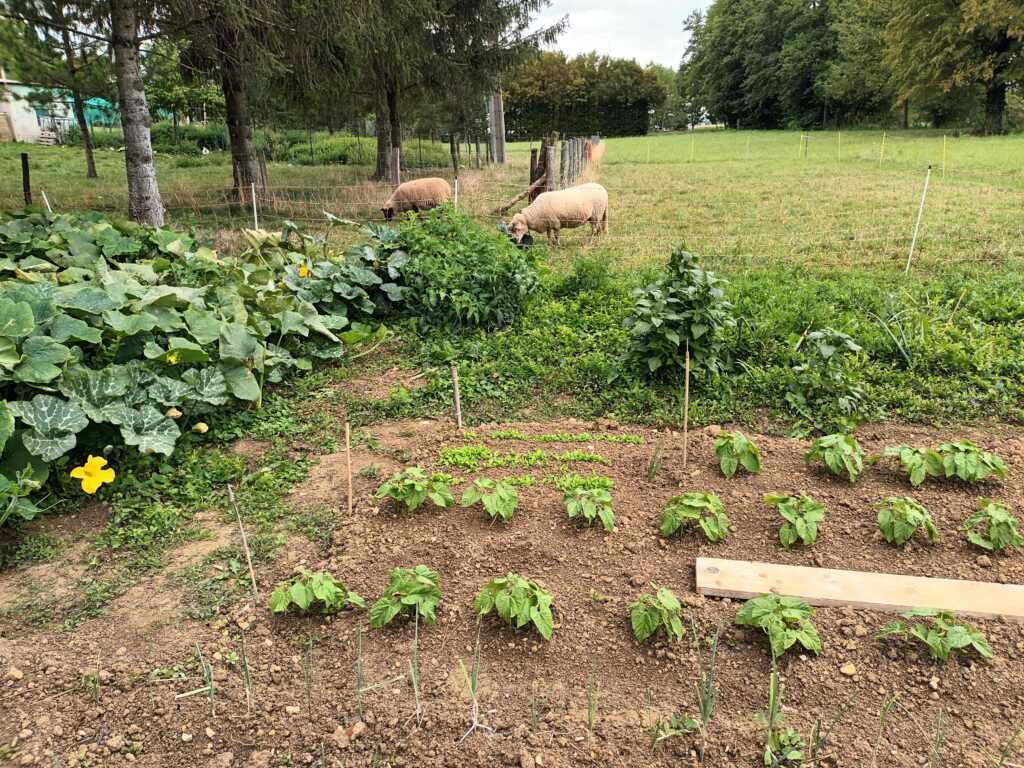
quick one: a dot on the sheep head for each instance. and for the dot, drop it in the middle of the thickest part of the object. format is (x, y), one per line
(389, 212)
(517, 227)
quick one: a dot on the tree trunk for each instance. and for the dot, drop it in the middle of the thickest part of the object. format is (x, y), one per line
(382, 170)
(144, 204)
(393, 118)
(236, 111)
(79, 107)
(995, 107)
(905, 120)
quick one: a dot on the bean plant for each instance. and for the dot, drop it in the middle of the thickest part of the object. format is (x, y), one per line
(409, 590)
(735, 450)
(963, 459)
(661, 610)
(919, 463)
(320, 591)
(786, 620)
(500, 498)
(899, 517)
(999, 527)
(695, 509)
(802, 515)
(944, 634)
(591, 504)
(518, 602)
(412, 487)
(841, 454)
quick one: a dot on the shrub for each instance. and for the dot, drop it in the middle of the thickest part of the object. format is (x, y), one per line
(802, 515)
(408, 589)
(946, 634)
(1000, 527)
(695, 508)
(412, 487)
(686, 306)
(455, 274)
(313, 590)
(786, 621)
(841, 453)
(963, 459)
(660, 610)
(518, 602)
(499, 498)
(735, 450)
(899, 517)
(590, 504)
(825, 389)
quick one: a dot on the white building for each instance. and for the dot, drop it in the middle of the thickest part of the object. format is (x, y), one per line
(18, 118)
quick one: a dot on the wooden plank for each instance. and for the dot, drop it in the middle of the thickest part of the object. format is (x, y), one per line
(861, 589)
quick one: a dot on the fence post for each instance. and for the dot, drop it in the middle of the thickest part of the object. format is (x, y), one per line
(549, 162)
(944, 137)
(26, 185)
(255, 214)
(881, 152)
(396, 165)
(564, 165)
(917, 226)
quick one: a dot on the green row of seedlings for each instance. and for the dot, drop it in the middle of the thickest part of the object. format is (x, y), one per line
(586, 498)
(992, 527)
(842, 455)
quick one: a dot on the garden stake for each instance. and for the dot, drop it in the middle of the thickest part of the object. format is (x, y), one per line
(956, 306)
(458, 399)
(245, 542)
(920, 212)
(944, 142)
(348, 463)
(255, 215)
(692, 139)
(881, 152)
(686, 408)
(46, 200)
(839, 148)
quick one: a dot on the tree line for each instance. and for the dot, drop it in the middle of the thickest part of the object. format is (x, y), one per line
(323, 63)
(818, 63)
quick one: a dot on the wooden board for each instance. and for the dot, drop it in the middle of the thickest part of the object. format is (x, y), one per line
(861, 589)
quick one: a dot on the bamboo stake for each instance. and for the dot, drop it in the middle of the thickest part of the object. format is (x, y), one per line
(245, 542)
(917, 226)
(956, 306)
(881, 152)
(348, 463)
(944, 143)
(692, 140)
(686, 409)
(458, 398)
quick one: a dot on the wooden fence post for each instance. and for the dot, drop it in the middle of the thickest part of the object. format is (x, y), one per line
(453, 143)
(396, 164)
(565, 168)
(26, 185)
(549, 163)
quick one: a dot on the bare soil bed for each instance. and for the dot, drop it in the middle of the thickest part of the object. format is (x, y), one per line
(60, 717)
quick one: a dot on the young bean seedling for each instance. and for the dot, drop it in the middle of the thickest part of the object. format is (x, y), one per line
(802, 515)
(899, 517)
(841, 454)
(735, 450)
(317, 591)
(786, 620)
(500, 498)
(518, 602)
(946, 634)
(412, 487)
(696, 508)
(963, 459)
(408, 590)
(591, 504)
(999, 530)
(919, 463)
(660, 610)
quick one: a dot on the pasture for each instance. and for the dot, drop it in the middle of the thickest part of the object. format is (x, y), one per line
(129, 631)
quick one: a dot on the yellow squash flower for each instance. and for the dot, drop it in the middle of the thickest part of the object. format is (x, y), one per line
(201, 427)
(92, 474)
(172, 358)
(304, 271)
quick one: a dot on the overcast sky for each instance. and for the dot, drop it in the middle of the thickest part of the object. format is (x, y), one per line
(645, 30)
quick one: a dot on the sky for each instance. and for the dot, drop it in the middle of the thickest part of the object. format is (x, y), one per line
(645, 30)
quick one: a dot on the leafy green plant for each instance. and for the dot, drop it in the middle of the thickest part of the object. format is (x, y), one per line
(695, 508)
(518, 602)
(918, 463)
(786, 620)
(963, 459)
(499, 498)
(735, 450)
(704, 687)
(408, 590)
(802, 515)
(783, 746)
(1000, 527)
(14, 502)
(673, 726)
(944, 633)
(899, 517)
(590, 504)
(685, 309)
(412, 487)
(661, 610)
(841, 454)
(825, 389)
(319, 591)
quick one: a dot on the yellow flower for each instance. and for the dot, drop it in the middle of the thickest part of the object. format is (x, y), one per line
(173, 413)
(201, 427)
(172, 358)
(92, 474)
(304, 271)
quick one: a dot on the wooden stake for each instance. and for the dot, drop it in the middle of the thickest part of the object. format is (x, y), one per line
(348, 463)
(956, 306)
(245, 542)
(686, 409)
(26, 184)
(458, 398)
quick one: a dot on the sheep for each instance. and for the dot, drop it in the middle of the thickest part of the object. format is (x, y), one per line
(568, 208)
(417, 195)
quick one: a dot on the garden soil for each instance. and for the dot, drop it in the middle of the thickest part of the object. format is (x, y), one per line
(533, 696)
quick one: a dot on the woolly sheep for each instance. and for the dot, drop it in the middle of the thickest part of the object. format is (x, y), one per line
(567, 208)
(417, 195)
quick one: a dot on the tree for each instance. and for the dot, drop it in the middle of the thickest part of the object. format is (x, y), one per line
(56, 49)
(670, 114)
(952, 44)
(857, 81)
(173, 88)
